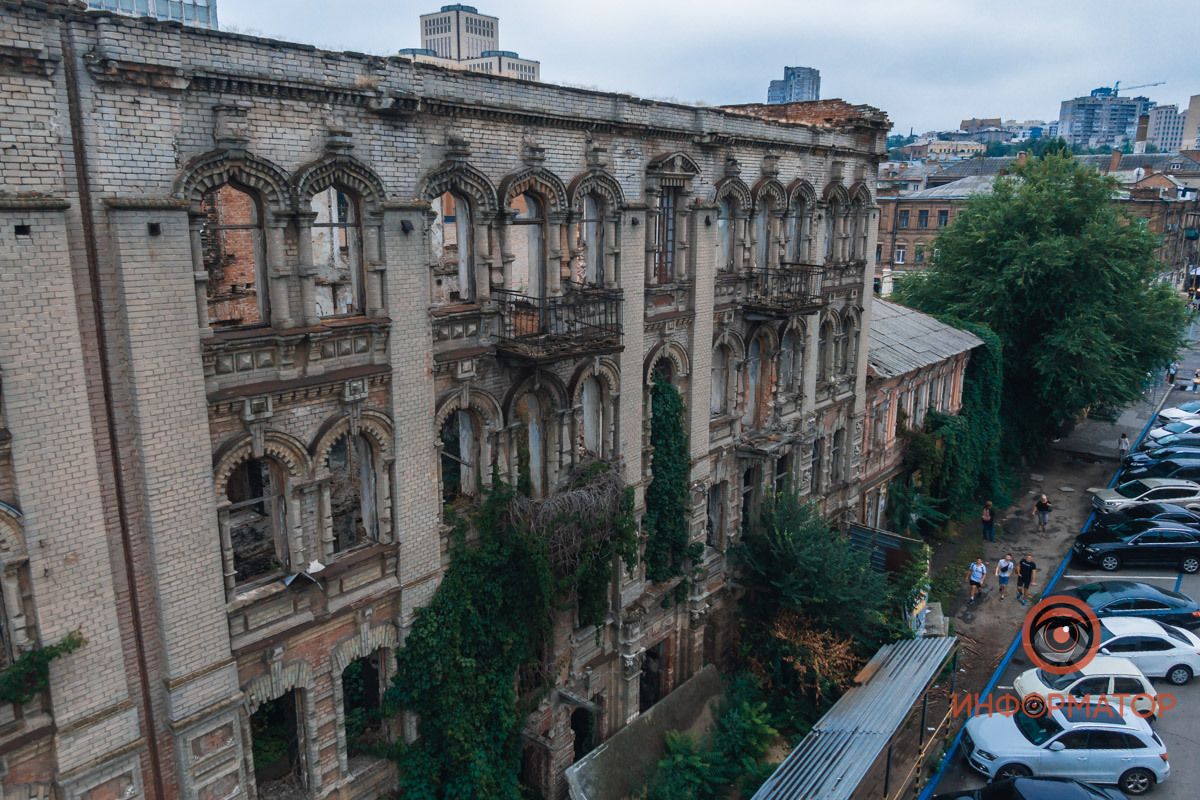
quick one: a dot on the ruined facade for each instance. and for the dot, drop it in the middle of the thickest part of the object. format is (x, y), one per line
(268, 310)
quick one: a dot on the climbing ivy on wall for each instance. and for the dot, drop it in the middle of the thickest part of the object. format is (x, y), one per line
(667, 512)
(29, 673)
(490, 618)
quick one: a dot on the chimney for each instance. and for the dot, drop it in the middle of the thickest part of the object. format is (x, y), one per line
(1114, 161)
(1022, 157)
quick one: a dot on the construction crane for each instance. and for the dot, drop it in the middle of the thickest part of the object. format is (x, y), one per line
(1117, 86)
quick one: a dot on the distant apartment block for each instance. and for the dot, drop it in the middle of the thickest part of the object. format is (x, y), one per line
(200, 13)
(459, 37)
(1165, 128)
(798, 84)
(1191, 125)
(1102, 119)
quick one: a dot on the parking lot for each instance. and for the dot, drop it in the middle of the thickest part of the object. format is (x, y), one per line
(1179, 729)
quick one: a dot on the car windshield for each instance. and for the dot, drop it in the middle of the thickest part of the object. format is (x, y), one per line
(1127, 530)
(1058, 682)
(1132, 489)
(1168, 439)
(1036, 729)
(1178, 427)
(1087, 590)
(1174, 633)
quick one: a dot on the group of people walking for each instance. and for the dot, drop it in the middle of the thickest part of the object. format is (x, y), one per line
(1026, 568)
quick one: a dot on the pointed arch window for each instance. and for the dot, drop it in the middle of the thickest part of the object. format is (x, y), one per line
(256, 519)
(232, 251)
(720, 393)
(727, 234)
(528, 245)
(353, 492)
(591, 233)
(460, 456)
(824, 351)
(763, 230)
(336, 232)
(591, 398)
(452, 239)
(791, 360)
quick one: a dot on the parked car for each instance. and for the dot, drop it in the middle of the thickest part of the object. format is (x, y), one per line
(1101, 676)
(1159, 453)
(1140, 541)
(1159, 650)
(1164, 512)
(1137, 599)
(1190, 425)
(1086, 742)
(1036, 789)
(1175, 439)
(1148, 490)
(1178, 467)
(1181, 411)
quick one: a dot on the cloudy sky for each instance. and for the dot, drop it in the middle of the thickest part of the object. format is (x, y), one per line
(928, 63)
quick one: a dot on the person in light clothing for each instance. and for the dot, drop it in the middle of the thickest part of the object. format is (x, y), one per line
(1004, 568)
(976, 575)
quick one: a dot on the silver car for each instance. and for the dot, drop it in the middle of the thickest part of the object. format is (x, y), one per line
(1148, 490)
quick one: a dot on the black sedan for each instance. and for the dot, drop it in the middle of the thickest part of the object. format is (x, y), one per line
(1168, 512)
(1174, 440)
(1187, 469)
(1136, 599)
(1159, 453)
(1036, 789)
(1141, 541)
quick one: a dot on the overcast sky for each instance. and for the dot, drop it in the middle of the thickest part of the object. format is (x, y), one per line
(928, 63)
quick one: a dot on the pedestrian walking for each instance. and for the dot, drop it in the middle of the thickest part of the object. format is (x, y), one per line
(1172, 371)
(1041, 509)
(988, 518)
(1196, 381)
(976, 576)
(1004, 569)
(1123, 446)
(1026, 575)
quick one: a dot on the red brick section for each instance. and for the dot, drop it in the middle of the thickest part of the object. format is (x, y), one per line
(832, 113)
(231, 258)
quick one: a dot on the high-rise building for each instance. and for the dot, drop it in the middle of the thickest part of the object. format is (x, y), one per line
(201, 13)
(1190, 140)
(459, 37)
(1165, 129)
(1102, 119)
(799, 83)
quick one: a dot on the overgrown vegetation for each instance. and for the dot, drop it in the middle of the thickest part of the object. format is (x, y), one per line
(489, 620)
(29, 673)
(667, 550)
(1066, 282)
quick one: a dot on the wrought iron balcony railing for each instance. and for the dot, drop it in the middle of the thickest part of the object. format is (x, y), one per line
(792, 289)
(582, 320)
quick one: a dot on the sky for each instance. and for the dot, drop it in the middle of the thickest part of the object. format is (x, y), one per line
(927, 63)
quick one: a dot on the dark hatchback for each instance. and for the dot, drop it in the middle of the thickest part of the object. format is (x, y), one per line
(1036, 789)
(1159, 453)
(1183, 467)
(1136, 599)
(1174, 440)
(1163, 512)
(1151, 542)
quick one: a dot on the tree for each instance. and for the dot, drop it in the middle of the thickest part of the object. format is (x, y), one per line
(1066, 281)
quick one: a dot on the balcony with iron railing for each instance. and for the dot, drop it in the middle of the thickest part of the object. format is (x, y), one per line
(583, 320)
(790, 289)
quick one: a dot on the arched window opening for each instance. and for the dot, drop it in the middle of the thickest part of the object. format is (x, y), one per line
(591, 398)
(715, 525)
(719, 403)
(726, 234)
(231, 238)
(799, 233)
(362, 705)
(856, 226)
(753, 413)
(528, 245)
(257, 527)
(460, 456)
(789, 361)
(850, 346)
(665, 235)
(352, 492)
(830, 232)
(751, 479)
(824, 354)
(836, 456)
(783, 473)
(337, 253)
(762, 235)
(277, 745)
(591, 234)
(452, 239)
(531, 447)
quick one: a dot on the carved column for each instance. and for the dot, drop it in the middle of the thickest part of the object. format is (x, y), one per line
(279, 275)
(557, 257)
(612, 230)
(683, 229)
(373, 266)
(325, 520)
(228, 567)
(306, 270)
(652, 214)
(295, 530)
(10, 584)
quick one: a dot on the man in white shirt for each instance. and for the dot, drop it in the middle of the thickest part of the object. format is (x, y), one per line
(1004, 569)
(976, 575)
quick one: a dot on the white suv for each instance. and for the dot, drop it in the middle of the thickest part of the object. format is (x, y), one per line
(1159, 650)
(1095, 743)
(1148, 490)
(1103, 675)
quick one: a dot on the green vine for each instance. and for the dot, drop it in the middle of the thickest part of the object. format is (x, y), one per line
(667, 513)
(490, 621)
(29, 673)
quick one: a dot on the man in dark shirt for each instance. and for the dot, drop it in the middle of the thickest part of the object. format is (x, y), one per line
(1026, 572)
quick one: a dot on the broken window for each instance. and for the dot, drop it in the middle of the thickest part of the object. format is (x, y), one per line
(591, 233)
(726, 234)
(277, 747)
(590, 398)
(352, 492)
(337, 253)
(719, 403)
(814, 480)
(665, 235)
(750, 481)
(715, 521)
(830, 231)
(232, 249)
(583, 725)
(790, 361)
(362, 694)
(751, 413)
(824, 354)
(762, 235)
(531, 445)
(783, 473)
(527, 241)
(799, 232)
(848, 347)
(256, 519)
(836, 454)
(653, 684)
(452, 238)
(460, 456)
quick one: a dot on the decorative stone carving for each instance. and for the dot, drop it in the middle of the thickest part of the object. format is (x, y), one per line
(231, 127)
(256, 411)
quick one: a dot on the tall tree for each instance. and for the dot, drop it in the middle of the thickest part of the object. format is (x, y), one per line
(1067, 281)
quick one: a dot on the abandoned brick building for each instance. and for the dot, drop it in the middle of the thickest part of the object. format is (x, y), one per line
(267, 310)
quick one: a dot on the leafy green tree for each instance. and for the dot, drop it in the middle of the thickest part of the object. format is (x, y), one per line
(1066, 281)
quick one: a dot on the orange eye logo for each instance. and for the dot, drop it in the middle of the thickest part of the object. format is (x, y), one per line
(1061, 634)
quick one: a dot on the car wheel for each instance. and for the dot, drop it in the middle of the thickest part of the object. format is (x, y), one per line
(1179, 674)
(1110, 563)
(1015, 771)
(1190, 565)
(1136, 781)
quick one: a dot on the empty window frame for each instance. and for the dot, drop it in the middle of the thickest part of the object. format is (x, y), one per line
(353, 492)
(591, 240)
(460, 456)
(528, 245)
(452, 240)
(257, 519)
(720, 394)
(665, 234)
(277, 747)
(336, 232)
(362, 705)
(232, 250)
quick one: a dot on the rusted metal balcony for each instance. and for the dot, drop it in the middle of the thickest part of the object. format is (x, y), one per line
(792, 289)
(583, 320)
